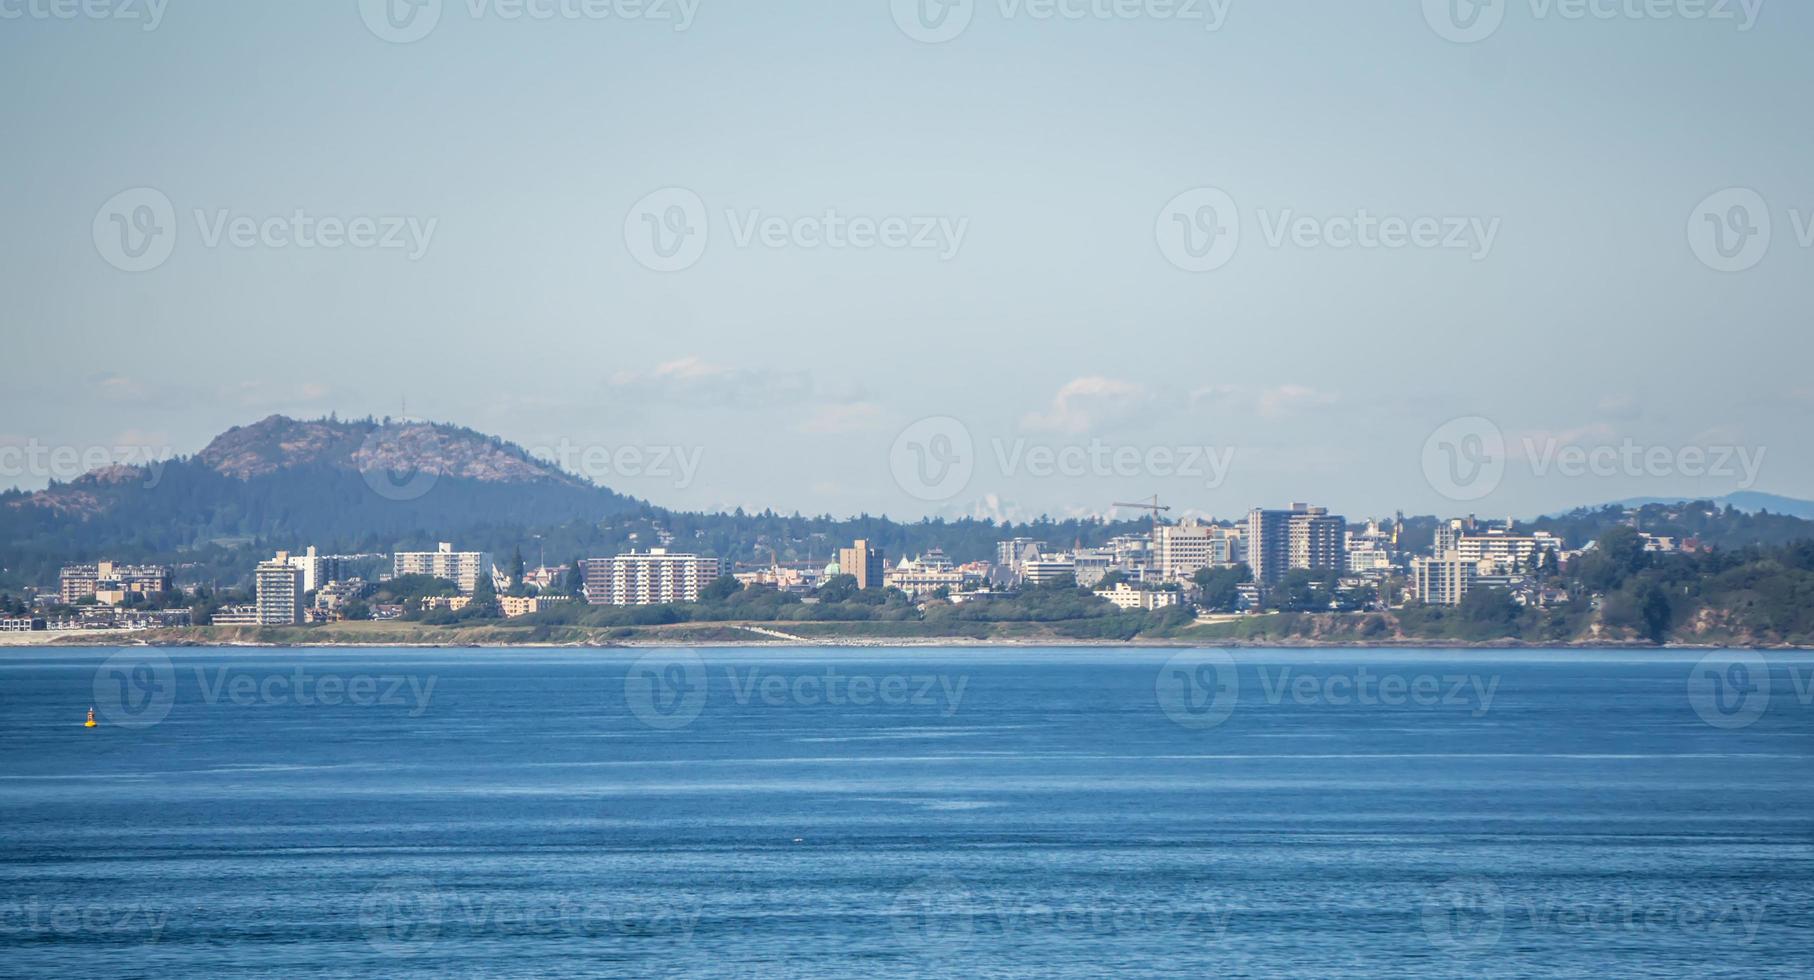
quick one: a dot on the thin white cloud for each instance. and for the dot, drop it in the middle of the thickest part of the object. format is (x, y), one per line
(840, 419)
(1085, 404)
(692, 380)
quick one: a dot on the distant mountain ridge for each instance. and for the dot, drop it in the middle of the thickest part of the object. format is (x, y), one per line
(1749, 501)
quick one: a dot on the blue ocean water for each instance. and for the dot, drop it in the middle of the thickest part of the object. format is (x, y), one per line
(393, 813)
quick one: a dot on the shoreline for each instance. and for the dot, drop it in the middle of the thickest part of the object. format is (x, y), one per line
(90, 639)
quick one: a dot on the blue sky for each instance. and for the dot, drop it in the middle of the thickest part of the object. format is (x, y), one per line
(1001, 203)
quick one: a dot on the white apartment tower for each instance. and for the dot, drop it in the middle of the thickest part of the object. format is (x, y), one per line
(647, 579)
(279, 590)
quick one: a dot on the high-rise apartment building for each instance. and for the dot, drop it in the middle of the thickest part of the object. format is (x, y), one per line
(1181, 550)
(462, 568)
(1303, 537)
(279, 589)
(1268, 545)
(1317, 539)
(1443, 581)
(648, 578)
(867, 564)
(318, 570)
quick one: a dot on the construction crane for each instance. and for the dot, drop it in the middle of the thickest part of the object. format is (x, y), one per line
(1157, 510)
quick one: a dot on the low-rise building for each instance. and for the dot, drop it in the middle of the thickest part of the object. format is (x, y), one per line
(236, 616)
(514, 606)
(1126, 596)
(451, 603)
(1047, 569)
(112, 579)
(925, 575)
(22, 624)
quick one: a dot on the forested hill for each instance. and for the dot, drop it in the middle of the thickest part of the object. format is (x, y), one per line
(326, 482)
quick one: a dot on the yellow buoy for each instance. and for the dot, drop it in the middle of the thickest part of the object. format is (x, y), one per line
(90, 722)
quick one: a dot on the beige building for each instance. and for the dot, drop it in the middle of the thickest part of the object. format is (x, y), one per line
(1443, 581)
(108, 582)
(1127, 597)
(1183, 549)
(514, 606)
(867, 564)
(462, 568)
